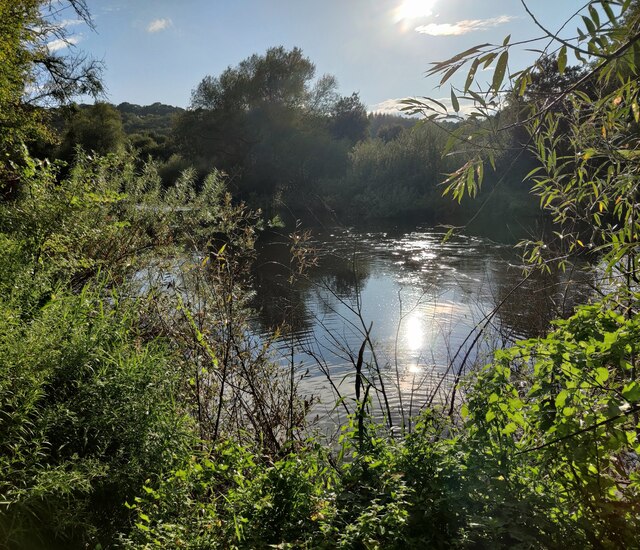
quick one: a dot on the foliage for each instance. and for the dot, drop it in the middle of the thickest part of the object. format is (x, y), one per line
(93, 401)
(95, 128)
(33, 74)
(17, 121)
(232, 499)
(128, 372)
(280, 77)
(582, 131)
(547, 452)
(272, 128)
(88, 415)
(560, 415)
(349, 119)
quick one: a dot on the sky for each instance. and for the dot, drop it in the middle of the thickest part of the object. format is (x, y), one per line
(159, 50)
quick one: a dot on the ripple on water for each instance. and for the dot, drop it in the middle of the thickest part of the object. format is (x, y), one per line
(421, 296)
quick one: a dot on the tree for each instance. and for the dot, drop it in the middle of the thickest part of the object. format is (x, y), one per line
(33, 74)
(586, 153)
(96, 128)
(570, 401)
(349, 118)
(280, 77)
(266, 123)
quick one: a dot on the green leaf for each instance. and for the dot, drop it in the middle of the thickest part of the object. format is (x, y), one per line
(471, 75)
(501, 68)
(562, 59)
(561, 399)
(631, 392)
(490, 416)
(602, 375)
(454, 101)
(607, 8)
(471, 182)
(589, 24)
(594, 15)
(510, 428)
(450, 72)
(441, 65)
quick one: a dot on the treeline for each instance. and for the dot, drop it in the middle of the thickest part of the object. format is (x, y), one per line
(290, 144)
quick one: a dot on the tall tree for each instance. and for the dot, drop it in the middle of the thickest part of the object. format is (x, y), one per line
(280, 77)
(35, 74)
(262, 122)
(96, 128)
(349, 118)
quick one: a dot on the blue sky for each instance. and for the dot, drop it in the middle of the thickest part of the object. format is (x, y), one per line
(158, 50)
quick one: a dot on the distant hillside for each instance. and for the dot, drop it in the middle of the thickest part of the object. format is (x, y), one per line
(150, 119)
(387, 126)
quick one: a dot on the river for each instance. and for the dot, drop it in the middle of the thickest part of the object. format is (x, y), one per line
(423, 299)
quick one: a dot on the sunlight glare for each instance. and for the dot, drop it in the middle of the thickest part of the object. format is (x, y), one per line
(414, 330)
(414, 9)
(415, 369)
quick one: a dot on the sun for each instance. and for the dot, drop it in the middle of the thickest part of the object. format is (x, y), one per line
(414, 9)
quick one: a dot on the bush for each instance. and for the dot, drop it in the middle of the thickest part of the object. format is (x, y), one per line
(87, 415)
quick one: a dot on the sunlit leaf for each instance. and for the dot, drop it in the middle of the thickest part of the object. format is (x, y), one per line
(562, 59)
(501, 67)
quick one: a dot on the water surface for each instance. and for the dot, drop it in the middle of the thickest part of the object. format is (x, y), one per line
(420, 300)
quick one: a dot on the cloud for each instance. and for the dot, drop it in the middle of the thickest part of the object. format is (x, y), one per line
(60, 44)
(158, 25)
(65, 23)
(393, 106)
(466, 107)
(387, 107)
(463, 27)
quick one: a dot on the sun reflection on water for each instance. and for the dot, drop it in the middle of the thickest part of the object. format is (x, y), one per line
(415, 369)
(414, 328)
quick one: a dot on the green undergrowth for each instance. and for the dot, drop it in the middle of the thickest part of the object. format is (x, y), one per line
(110, 437)
(547, 456)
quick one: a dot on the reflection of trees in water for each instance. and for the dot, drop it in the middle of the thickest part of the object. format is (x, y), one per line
(545, 296)
(340, 278)
(278, 300)
(473, 270)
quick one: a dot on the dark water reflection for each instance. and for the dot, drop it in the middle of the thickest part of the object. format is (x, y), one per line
(422, 298)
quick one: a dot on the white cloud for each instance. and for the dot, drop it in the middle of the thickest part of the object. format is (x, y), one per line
(158, 25)
(387, 107)
(394, 106)
(60, 44)
(70, 23)
(463, 27)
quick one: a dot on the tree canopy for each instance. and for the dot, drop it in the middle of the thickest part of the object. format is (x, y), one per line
(34, 74)
(279, 77)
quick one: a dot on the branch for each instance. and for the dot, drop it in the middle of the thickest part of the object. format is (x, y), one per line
(555, 36)
(632, 410)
